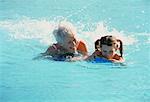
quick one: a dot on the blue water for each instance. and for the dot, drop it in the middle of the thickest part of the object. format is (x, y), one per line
(26, 30)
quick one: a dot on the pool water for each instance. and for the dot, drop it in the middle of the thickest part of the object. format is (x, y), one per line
(26, 31)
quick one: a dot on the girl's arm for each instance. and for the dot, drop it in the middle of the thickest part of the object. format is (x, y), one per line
(117, 58)
(120, 60)
(91, 57)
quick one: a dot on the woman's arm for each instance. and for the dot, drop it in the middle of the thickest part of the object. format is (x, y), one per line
(50, 51)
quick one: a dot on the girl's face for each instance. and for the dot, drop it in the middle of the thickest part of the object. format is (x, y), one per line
(108, 51)
(70, 44)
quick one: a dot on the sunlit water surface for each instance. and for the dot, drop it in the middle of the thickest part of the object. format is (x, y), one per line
(26, 30)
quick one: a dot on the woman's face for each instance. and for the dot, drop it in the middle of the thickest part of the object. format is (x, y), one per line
(108, 51)
(70, 44)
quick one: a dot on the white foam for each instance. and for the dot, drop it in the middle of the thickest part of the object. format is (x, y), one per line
(101, 30)
(149, 40)
(41, 30)
(68, 25)
(30, 29)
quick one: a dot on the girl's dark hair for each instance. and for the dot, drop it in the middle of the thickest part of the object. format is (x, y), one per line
(109, 41)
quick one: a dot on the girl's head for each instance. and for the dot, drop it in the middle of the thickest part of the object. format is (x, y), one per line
(66, 38)
(108, 45)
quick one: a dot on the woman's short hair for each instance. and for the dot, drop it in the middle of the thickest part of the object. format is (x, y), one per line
(61, 33)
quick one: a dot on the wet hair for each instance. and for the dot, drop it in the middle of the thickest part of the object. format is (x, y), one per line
(61, 33)
(109, 41)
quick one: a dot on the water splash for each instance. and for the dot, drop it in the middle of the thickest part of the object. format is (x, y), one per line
(41, 30)
(100, 29)
(30, 29)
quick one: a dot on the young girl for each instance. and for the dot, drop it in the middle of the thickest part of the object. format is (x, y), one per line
(107, 48)
(67, 46)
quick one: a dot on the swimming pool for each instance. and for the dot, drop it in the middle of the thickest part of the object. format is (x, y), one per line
(26, 30)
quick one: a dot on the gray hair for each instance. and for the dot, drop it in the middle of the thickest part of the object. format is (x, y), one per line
(61, 33)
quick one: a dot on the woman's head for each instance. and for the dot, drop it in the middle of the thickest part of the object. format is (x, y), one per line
(66, 38)
(108, 45)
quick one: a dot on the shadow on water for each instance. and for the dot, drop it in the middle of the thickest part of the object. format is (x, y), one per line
(99, 66)
(86, 64)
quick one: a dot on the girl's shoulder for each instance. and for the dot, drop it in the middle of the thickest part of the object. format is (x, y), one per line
(97, 53)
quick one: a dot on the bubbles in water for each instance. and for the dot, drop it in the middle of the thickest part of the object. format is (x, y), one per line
(143, 11)
(149, 40)
(30, 29)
